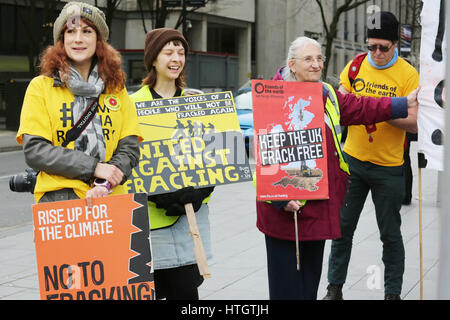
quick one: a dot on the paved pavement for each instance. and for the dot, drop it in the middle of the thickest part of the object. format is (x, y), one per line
(239, 264)
(8, 141)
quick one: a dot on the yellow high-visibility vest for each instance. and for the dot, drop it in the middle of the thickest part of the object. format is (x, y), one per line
(333, 121)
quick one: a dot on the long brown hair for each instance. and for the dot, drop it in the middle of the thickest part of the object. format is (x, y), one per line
(54, 59)
(152, 75)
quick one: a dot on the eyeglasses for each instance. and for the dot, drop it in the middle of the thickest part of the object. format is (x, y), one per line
(311, 59)
(374, 48)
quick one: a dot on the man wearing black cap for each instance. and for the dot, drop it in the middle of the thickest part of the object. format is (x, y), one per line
(375, 157)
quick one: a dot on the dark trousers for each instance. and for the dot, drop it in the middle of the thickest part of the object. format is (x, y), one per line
(179, 283)
(285, 282)
(387, 186)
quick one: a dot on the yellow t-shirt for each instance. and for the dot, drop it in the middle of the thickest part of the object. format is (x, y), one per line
(387, 146)
(47, 112)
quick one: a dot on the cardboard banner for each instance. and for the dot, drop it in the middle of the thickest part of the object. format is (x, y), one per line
(189, 141)
(291, 162)
(433, 56)
(94, 253)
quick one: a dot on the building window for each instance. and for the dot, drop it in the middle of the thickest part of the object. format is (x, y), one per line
(346, 26)
(335, 64)
(137, 72)
(222, 40)
(14, 36)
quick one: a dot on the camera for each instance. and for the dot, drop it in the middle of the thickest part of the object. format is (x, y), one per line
(23, 182)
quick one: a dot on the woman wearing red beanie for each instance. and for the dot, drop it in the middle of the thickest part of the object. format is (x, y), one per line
(175, 269)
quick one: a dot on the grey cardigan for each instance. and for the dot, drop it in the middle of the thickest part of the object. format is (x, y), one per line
(41, 155)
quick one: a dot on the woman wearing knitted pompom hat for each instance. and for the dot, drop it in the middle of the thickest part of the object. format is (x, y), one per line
(80, 71)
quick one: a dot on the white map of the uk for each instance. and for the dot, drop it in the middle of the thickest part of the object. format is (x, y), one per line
(299, 119)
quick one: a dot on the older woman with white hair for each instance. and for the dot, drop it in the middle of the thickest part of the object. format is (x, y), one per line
(318, 220)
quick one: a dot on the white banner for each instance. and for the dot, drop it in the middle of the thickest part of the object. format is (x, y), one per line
(432, 74)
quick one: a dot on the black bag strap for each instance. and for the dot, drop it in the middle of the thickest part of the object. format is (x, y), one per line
(82, 123)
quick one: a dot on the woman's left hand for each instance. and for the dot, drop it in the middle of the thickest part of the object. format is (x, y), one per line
(293, 206)
(109, 172)
(96, 192)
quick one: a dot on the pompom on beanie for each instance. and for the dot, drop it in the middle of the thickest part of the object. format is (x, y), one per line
(75, 10)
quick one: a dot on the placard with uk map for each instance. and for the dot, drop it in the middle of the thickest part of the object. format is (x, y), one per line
(291, 156)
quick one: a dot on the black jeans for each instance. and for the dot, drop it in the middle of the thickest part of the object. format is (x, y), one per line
(285, 282)
(179, 283)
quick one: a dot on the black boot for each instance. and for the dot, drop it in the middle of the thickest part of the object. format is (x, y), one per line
(390, 296)
(334, 292)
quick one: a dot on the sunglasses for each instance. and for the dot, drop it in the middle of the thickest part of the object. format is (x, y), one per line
(374, 48)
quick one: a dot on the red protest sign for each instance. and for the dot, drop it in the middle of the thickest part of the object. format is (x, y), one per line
(94, 253)
(290, 155)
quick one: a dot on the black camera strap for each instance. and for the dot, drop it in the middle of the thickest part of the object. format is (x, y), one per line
(82, 123)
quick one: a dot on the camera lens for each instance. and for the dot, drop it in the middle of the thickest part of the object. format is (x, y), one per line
(19, 183)
(24, 182)
(12, 186)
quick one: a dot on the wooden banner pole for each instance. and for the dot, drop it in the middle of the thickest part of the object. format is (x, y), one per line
(199, 251)
(420, 233)
(297, 251)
